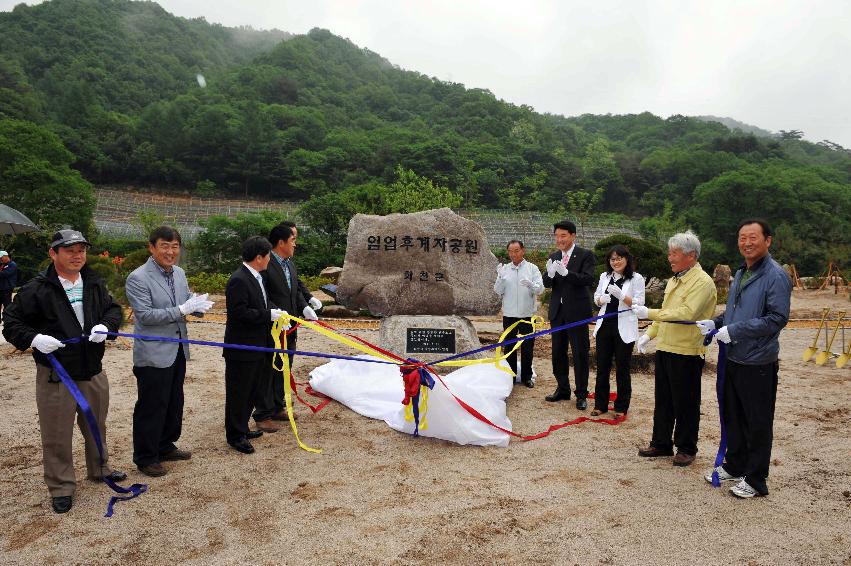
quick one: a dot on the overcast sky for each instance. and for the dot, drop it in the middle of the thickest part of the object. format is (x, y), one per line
(776, 64)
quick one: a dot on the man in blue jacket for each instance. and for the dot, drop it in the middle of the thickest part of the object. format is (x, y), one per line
(757, 310)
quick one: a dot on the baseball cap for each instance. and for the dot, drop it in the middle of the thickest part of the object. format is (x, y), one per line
(65, 238)
(3, 253)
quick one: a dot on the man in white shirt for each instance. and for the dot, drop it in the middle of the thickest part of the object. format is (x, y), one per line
(519, 282)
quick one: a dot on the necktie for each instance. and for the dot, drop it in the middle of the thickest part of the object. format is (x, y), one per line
(262, 289)
(286, 266)
(565, 258)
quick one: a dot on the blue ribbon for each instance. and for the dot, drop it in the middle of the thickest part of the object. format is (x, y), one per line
(719, 393)
(128, 493)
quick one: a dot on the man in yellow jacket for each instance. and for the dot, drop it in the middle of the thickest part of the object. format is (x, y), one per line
(689, 296)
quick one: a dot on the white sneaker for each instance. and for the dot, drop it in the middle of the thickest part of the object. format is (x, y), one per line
(743, 490)
(722, 475)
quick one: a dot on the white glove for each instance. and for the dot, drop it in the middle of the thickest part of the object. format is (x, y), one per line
(642, 343)
(276, 314)
(723, 335)
(315, 303)
(706, 326)
(46, 344)
(94, 336)
(615, 291)
(604, 300)
(561, 268)
(309, 314)
(526, 282)
(551, 268)
(196, 303)
(640, 311)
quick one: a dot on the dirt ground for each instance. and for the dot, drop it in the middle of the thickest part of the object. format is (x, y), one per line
(376, 496)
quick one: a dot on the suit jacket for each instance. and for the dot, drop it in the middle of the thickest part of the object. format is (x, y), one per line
(248, 319)
(627, 321)
(157, 314)
(290, 300)
(571, 297)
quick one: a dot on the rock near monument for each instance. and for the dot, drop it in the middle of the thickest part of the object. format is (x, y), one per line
(426, 263)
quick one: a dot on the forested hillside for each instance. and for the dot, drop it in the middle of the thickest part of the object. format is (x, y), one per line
(317, 117)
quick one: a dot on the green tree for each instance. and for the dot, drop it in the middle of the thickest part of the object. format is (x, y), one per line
(413, 193)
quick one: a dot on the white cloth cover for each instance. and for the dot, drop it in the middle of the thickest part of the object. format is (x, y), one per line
(376, 391)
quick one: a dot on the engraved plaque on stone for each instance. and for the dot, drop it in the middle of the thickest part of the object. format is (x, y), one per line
(430, 341)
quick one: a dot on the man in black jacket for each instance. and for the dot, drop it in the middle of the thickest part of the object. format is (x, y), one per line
(250, 313)
(570, 274)
(282, 283)
(66, 301)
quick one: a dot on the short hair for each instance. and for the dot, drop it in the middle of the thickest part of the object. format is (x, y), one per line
(289, 223)
(280, 232)
(686, 241)
(166, 233)
(766, 227)
(624, 253)
(565, 225)
(508, 245)
(255, 246)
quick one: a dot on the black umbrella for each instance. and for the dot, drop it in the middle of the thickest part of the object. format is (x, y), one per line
(14, 222)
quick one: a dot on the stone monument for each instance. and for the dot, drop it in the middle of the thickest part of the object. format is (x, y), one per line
(423, 272)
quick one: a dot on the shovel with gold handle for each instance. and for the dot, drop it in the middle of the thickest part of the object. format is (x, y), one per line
(811, 351)
(824, 355)
(846, 355)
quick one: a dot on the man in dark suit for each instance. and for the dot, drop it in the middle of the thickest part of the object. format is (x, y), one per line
(283, 287)
(250, 313)
(570, 274)
(314, 303)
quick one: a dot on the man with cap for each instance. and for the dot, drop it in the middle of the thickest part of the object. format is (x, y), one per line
(8, 279)
(65, 301)
(159, 294)
(570, 274)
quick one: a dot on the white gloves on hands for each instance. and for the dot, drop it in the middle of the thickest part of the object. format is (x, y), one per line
(723, 335)
(276, 314)
(526, 283)
(315, 303)
(94, 336)
(551, 268)
(640, 311)
(604, 300)
(309, 314)
(642, 343)
(196, 303)
(705, 326)
(46, 344)
(615, 291)
(561, 268)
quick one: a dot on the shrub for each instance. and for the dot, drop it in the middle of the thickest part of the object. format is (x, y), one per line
(650, 257)
(208, 282)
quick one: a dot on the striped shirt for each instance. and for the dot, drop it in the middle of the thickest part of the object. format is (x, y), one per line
(74, 292)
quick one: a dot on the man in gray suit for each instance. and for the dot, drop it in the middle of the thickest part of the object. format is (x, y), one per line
(160, 297)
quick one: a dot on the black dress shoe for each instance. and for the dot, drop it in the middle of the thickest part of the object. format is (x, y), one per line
(62, 504)
(653, 452)
(242, 445)
(581, 404)
(252, 434)
(557, 396)
(114, 475)
(528, 383)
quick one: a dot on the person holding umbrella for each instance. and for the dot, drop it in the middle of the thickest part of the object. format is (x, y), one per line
(8, 279)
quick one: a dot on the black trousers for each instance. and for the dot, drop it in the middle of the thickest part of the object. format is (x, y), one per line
(270, 393)
(609, 345)
(158, 414)
(677, 401)
(242, 379)
(750, 393)
(527, 347)
(580, 343)
(5, 300)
